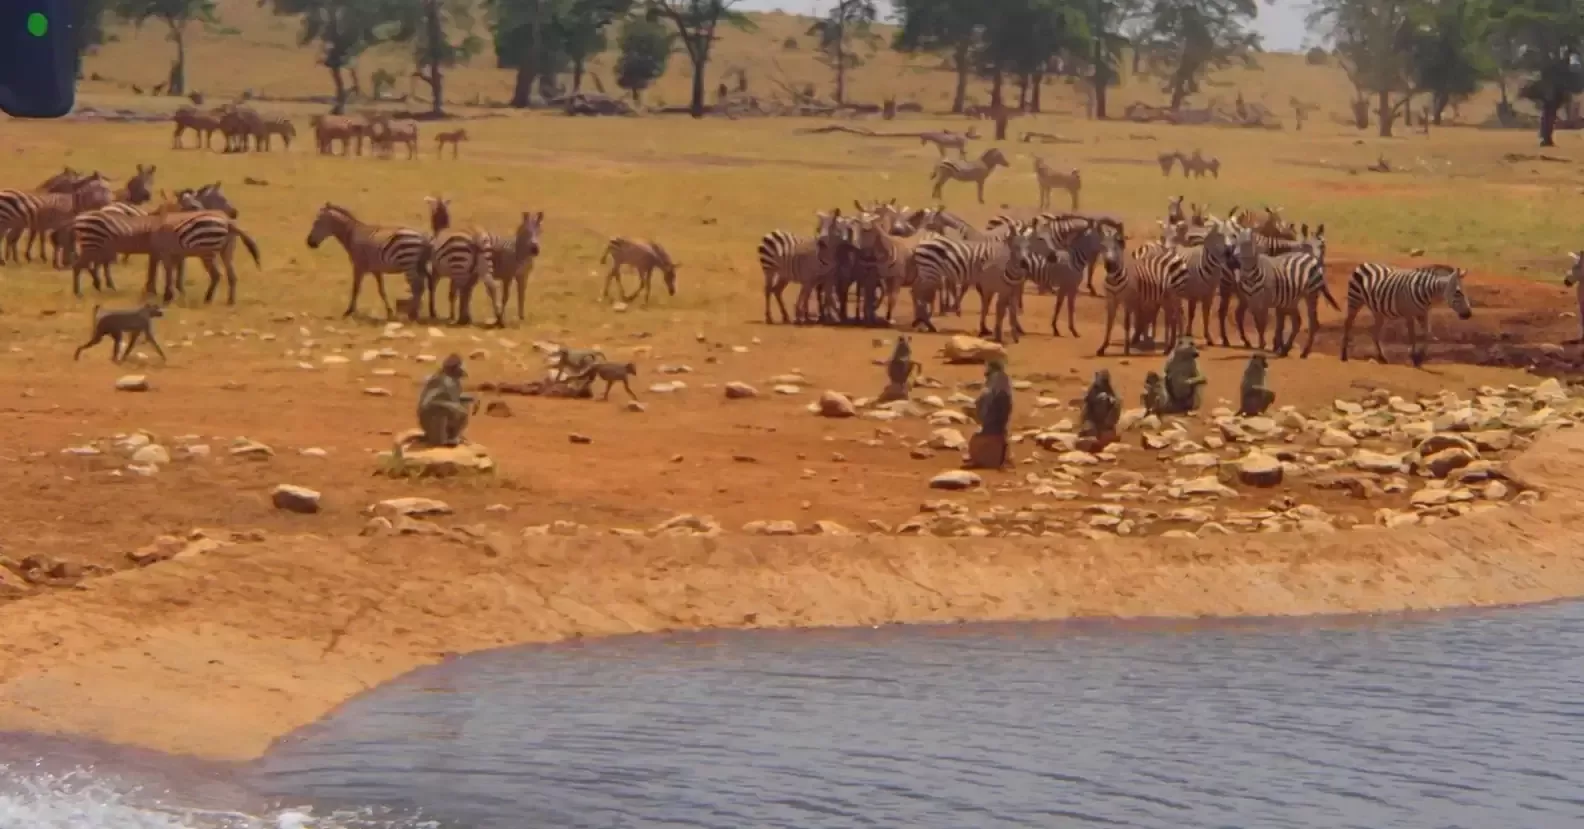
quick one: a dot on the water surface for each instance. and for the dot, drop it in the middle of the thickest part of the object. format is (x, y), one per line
(1439, 722)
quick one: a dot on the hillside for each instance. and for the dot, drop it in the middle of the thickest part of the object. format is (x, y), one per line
(252, 49)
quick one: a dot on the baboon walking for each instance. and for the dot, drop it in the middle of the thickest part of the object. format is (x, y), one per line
(115, 324)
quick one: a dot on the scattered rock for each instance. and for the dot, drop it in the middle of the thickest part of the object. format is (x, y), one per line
(965, 349)
(132, 382)
(376, 391)
(1259, 469)
(836, 404)
(770, 528)
(497, 408)
(577, 438)
(410, 507)
(1443, 463)
(1377, 461)
(955, 479)
(295, 499)
(950, 439)
(436, 461)
(251, 450)
(152, 454)
(740, 391)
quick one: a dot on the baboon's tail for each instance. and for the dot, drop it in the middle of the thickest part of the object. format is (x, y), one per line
(93, 320)
(252, 246)
(605, 257)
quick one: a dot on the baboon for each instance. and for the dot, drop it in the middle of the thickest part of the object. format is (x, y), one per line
(611, 373)
(442, 406)
(569, 361)
(114, 324)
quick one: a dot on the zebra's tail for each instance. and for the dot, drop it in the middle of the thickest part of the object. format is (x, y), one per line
(252, 246)
(1325, 291)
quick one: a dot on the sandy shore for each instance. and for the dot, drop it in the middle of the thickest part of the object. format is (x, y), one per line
(219, 654)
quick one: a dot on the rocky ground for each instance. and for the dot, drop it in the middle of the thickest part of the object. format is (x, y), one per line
(1350, 457)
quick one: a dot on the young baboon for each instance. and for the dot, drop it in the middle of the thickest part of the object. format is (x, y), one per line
(567, 362)
(454, 138)
(611, 373)
(114, 324)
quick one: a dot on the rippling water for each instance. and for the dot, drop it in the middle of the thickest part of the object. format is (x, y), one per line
(1466, 720)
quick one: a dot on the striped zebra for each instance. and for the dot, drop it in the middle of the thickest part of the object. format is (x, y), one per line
(40, 214)
(1062, 271)
(1141, 284)
(993, 267)
(1283, 281)
(976, 171)
(85, 243)
(139, 188)
(465, 257)
(1245, 288)
(1390, 292)
(514, 257)
(270, 126)
(809, 261)
(892, 255)
(329, 129)
(206, 236)
(204, 125)
(1208, 273)
(375, 251)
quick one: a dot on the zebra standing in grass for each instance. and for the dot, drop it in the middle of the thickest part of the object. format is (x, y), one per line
(977, 171)
(946, 139)
(375, 251)
(1049, 178)
(1390, 292)
(1141, 284)
(944, 263)
(464, 258)
(40, 214)
(1208, 271)
(1284, 281)
(809, 261)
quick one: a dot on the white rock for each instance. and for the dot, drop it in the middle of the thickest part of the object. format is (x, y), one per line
(295, 499)
(947, 439)
(152, 454)
(132, 382)
(955, 479)
(740, 391)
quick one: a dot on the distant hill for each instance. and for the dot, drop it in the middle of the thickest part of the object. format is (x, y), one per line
(252, 49)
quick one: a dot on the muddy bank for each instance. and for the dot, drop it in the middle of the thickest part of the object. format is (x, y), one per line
(219, 654)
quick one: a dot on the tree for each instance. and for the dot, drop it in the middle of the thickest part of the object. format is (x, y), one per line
(645, 48)
(1374, 40)
(849, 21)
(1105, 19)
(1187, 39)
(432, 47)
(175, 14)
(1022, 39)
(87, 28)
(344, 30)
(543, 38)
(1451, 57)
(1550, 37)
(950, 27)
(696, 23)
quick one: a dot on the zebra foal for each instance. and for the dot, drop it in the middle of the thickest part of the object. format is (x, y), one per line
(643, 257)
(1389, 293)
(976, 171)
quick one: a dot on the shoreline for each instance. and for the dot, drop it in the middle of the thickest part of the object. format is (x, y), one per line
(219, 655)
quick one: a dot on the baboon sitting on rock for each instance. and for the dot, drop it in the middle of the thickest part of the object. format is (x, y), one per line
(1102, 410)
(443, 408)
(899, 371)
(1184, 385)
(987, 449)
(1255, 396)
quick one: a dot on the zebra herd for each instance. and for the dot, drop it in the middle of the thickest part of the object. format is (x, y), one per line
(89, 226)
(1257, 264)
(239, 124)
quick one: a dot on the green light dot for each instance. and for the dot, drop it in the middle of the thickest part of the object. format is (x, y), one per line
(37, 24)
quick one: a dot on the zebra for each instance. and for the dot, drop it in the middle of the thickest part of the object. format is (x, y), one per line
(955, 169)
(891, 256)
(270, 126)
(1062, 270)
(643, 257)
(40, 214)
(514, 257)
(466, 258)
(1167, 161)
(1050, 179)
(204, 125)
(205, 235)
(385, 134)
(993, 267)
(330, 128)
(376, 251)
(84, 238)
(1199, 164)
(137, 189)
(1575, 279)
(1390, 292)
(238, 124)
(1283, 281)
(1174, 211)
(807, 260)
(1141, 283)
(945, 139)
